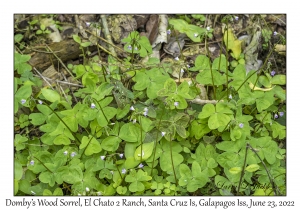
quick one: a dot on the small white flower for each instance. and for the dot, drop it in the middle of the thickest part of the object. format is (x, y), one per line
(236, 18)
(87, 24)
(129, 47)
(40, 102)
(121, 155)
(182, 71)
(33, 193)
(123, 171)
(195, 34)
(73, 154)
(145, 113)
(146, 109)
(32, 162)
(176, 103)
(134, 121)
(208, 28)
(163, 133)
(135, 48)
(143, 153)
(168, 31)
(65, 152)
(93, 105)
(230, 96)
(102, 157)
(99, 193)
(23, 101)
(132, 108)
(188, 66)
(190, 82)
(87, 189)
(275, 33)
(141, 165)
(176, 58)
(112, 172)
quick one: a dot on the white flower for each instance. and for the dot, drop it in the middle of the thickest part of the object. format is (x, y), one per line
(112, 172)
(40, 102)
(168, 31)
(188, 66)
(135, 48)
(73, 154)
(230, 96)
(33, 193)
(190, 82)
(121, 155)
(134, 121)
(143, 153)
(123, 171)
(195, 34)
(99, 193)
(141, 165)
(145, 113)
(176, 103)
(102, 157)
(163, 133)
(129, 47)
(23, 101)
(132, 108)
(93, 105)
(208, 28)
(87, 189)
(87, 24)
(236, 18)
(32, 162)
(182, 71)
(275, 33)
(65, 152)
(176, 58)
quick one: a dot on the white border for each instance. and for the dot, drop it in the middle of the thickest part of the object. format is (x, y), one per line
(153, 6)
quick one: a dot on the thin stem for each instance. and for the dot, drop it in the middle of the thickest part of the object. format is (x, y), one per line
(268, 172)
(62, 121)
(243, 171)
(173, 162)
(156, 141)
(141, 139)
(43, 164)
(102, 111)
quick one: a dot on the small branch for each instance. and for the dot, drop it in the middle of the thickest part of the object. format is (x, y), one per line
(107, 35)
(201, 102)
(44, 78)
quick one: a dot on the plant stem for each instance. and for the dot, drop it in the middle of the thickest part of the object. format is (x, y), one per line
(62, 121)
(173, 162)
(102, 111)
(243, 170)
(141, 139)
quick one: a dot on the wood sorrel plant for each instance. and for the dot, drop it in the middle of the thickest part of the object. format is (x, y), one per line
(147, 135)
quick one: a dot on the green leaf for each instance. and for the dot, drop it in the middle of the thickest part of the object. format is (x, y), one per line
(219, 66)
(235, 170)
(121, 190)
(50, 95)
(217, 120)
(16, 186)
(278, 80)
(165, 160)
(130, 132)
(111, 143)
(20, 63)
(202, 62)
(91, 145)
(146, 152)
(62, 140)
(77, 39)
(19, 142)
(47, 192)
(18, 170)
(252, 168)
(37, 118)
(207, 110)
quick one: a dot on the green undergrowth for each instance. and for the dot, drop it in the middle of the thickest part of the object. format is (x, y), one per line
(133, 130)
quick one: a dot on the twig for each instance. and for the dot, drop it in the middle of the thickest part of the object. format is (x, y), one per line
(63, 82)
(107, 35)
(62, 63)
(200, 101)
(44, 78)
